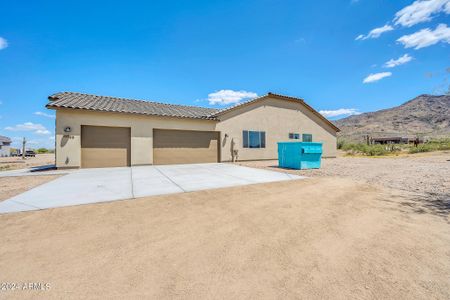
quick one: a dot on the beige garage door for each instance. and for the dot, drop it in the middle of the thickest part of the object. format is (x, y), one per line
(185, 146)
(103, 147)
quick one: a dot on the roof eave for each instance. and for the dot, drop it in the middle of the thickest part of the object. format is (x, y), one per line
(54, 107)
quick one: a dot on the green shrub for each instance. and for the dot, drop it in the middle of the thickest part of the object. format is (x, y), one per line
(370, 150)
(433, 145)
(42, 150)
(340, 144)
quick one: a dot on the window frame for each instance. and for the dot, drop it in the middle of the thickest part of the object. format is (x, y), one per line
(294, 136)
(247, 143)
(307, 135)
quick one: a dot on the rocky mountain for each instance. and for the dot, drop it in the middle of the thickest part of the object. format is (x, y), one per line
(425, 116)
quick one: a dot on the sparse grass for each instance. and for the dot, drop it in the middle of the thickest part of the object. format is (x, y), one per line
(370, 150)
(433, 145)
(5, 167)
(392, 149)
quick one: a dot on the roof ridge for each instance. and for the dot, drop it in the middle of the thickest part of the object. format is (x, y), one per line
(255, 99)
(129, 99)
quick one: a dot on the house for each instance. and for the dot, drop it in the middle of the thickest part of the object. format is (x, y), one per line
(5, 146)
(100, 131)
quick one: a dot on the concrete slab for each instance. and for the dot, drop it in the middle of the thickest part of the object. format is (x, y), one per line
(33, 172)
(13, 206)
(110, 184)
(81, 187)
(196, 177)
(148, 181)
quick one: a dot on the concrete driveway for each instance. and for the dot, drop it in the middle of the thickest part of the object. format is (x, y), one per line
(110, 184)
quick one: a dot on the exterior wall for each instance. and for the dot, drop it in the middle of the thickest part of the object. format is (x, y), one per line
(68, 145)
(277, 118)
(5, 150)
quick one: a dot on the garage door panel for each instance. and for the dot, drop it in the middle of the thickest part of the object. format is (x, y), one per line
(185, 146)
(105, 146)
(104, 158)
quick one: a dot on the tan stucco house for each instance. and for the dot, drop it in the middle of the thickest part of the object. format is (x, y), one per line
(99, 131)
(5, 146)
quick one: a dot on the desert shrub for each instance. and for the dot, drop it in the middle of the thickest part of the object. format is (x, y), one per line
(420, 148)
(42, 150)
(433, 145)
(370, 150)
(340, 144)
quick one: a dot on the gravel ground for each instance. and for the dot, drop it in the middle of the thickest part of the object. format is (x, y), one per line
(11, 186)
(321, 238)
(14, 163)
(424, 178)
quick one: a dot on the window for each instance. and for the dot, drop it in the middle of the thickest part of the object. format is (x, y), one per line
(254, 139)
(307, 137)
(294, 136)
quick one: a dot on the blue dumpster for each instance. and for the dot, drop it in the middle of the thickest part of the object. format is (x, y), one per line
(299, 155)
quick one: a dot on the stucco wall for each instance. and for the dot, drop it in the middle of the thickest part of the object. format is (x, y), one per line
(277, 118)
(68, 145)
(5, 150)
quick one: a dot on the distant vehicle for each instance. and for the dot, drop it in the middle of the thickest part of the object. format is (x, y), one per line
(30, 153)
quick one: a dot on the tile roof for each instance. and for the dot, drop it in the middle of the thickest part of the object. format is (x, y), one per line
(123, 105)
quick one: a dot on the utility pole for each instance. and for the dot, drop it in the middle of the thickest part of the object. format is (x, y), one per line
(23, 147)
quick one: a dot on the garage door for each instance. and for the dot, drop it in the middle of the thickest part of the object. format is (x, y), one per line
(185, 146)
(105, 146)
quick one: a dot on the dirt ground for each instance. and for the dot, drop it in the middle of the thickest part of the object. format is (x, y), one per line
(334, 237)
(311, 239)
(11, 186)
(425, 177)
(14, 163)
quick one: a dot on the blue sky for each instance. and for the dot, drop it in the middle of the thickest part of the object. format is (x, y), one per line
(342, 57)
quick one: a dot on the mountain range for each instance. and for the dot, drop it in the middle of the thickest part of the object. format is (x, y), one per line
(424, 116)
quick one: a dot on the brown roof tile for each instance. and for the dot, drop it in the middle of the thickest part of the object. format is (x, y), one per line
(123, 105)
(114, 104)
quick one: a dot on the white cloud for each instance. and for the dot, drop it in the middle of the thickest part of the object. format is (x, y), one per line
(426, 37)
(421, 11)
(376, 77)
(43, 114)
(3, 43)
(375, 33)
(399, 61)
(42, 132)
(28, 126)
(339, 112)
(225, 97)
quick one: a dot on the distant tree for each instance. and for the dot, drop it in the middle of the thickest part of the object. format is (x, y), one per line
(42, 150)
